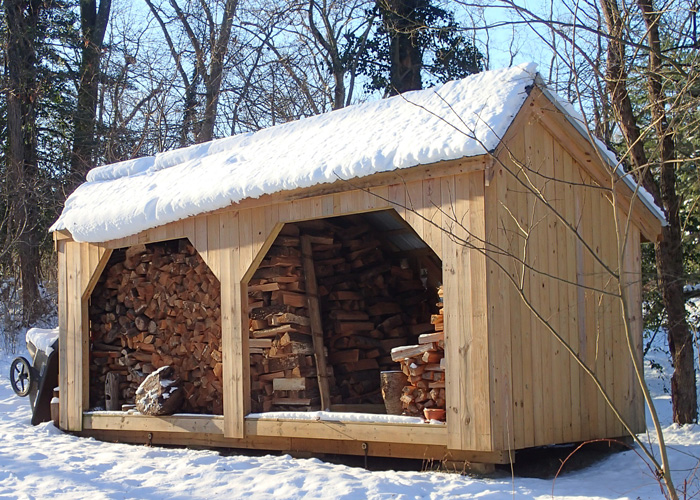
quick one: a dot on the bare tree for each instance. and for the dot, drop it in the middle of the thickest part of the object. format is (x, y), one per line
(337, 23)
(93, 24)
(207, 30)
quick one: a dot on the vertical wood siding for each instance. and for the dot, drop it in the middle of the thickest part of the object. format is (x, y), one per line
(552, 399)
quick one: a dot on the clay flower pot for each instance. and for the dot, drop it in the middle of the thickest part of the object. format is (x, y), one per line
(434, 414)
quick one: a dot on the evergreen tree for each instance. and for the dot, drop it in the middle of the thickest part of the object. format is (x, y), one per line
(37, 90)
(413, 40)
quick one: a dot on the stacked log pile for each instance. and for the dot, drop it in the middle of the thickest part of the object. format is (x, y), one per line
(282, 366)
(424, 365)
(370, 305)
(156, 305)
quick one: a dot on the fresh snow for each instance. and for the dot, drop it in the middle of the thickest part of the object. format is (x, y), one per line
(458, 119)
(42, 462)
(42, 338)
(331, 416)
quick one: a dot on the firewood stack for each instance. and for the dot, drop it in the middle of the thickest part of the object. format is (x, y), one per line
(283, 370)
(424, 365)
(370, 305)
(157, 305)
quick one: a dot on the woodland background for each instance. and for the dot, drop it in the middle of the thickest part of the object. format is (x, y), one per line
(90, 82)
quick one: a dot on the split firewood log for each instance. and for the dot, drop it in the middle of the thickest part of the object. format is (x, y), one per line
(159, 393)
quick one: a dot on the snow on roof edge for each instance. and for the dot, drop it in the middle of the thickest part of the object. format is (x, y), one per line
(460, 119)
(415, 128)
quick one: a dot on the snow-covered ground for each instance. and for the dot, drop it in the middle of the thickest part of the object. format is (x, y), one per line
(42, 462)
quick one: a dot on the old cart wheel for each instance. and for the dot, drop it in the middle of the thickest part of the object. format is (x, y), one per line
(20, 376)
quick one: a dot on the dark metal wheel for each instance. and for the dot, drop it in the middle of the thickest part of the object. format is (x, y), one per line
(20, 376)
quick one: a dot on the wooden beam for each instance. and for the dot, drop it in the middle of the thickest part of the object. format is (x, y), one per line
(232, 334)
(97, 261)
(343, 431)
(61, 235)
(431, 434)
(292, 445)
(315, 319)
(122, 421)
(399, 176)
(63, 312)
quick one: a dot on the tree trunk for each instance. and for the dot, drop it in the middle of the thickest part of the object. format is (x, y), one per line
(406, 55)
(669, 256)
(190, 96)
(212, 80)
(332, 56)
(93, 25)
(669, 252)
(22, 19)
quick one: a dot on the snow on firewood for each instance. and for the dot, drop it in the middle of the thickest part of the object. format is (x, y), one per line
(159, 394)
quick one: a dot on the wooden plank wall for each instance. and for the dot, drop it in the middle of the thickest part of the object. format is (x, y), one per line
(79, 266)
(510, 384)
(464, 276)
(549, 397)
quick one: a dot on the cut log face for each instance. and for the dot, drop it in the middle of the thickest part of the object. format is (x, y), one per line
(160, 393)
(156, 305)
(424, 367)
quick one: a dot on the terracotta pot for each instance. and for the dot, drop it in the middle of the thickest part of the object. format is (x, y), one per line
(434, 414)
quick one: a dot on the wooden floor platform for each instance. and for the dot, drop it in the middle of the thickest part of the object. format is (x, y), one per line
(415, 441)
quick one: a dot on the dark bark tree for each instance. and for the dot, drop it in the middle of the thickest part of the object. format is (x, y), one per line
(21, 92)
(402, 22)
(416, 40)
(93, 23)
(669, 254)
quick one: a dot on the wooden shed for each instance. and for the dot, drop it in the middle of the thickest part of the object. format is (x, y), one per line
(488, 189)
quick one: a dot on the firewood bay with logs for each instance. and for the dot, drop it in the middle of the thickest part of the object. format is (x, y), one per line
(369, 303)
(156, 305)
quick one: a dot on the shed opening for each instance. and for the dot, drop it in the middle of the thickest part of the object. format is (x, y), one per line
(156, 305)
(341, 293)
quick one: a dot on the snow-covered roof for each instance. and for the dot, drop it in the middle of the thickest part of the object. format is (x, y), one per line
(459, 119)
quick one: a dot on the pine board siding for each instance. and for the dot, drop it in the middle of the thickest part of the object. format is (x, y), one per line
(553, 400)
(79, 266)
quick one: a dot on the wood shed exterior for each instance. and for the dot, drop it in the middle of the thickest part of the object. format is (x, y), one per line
(509, 383)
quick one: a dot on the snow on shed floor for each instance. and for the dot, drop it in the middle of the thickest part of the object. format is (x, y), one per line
(42, 462)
